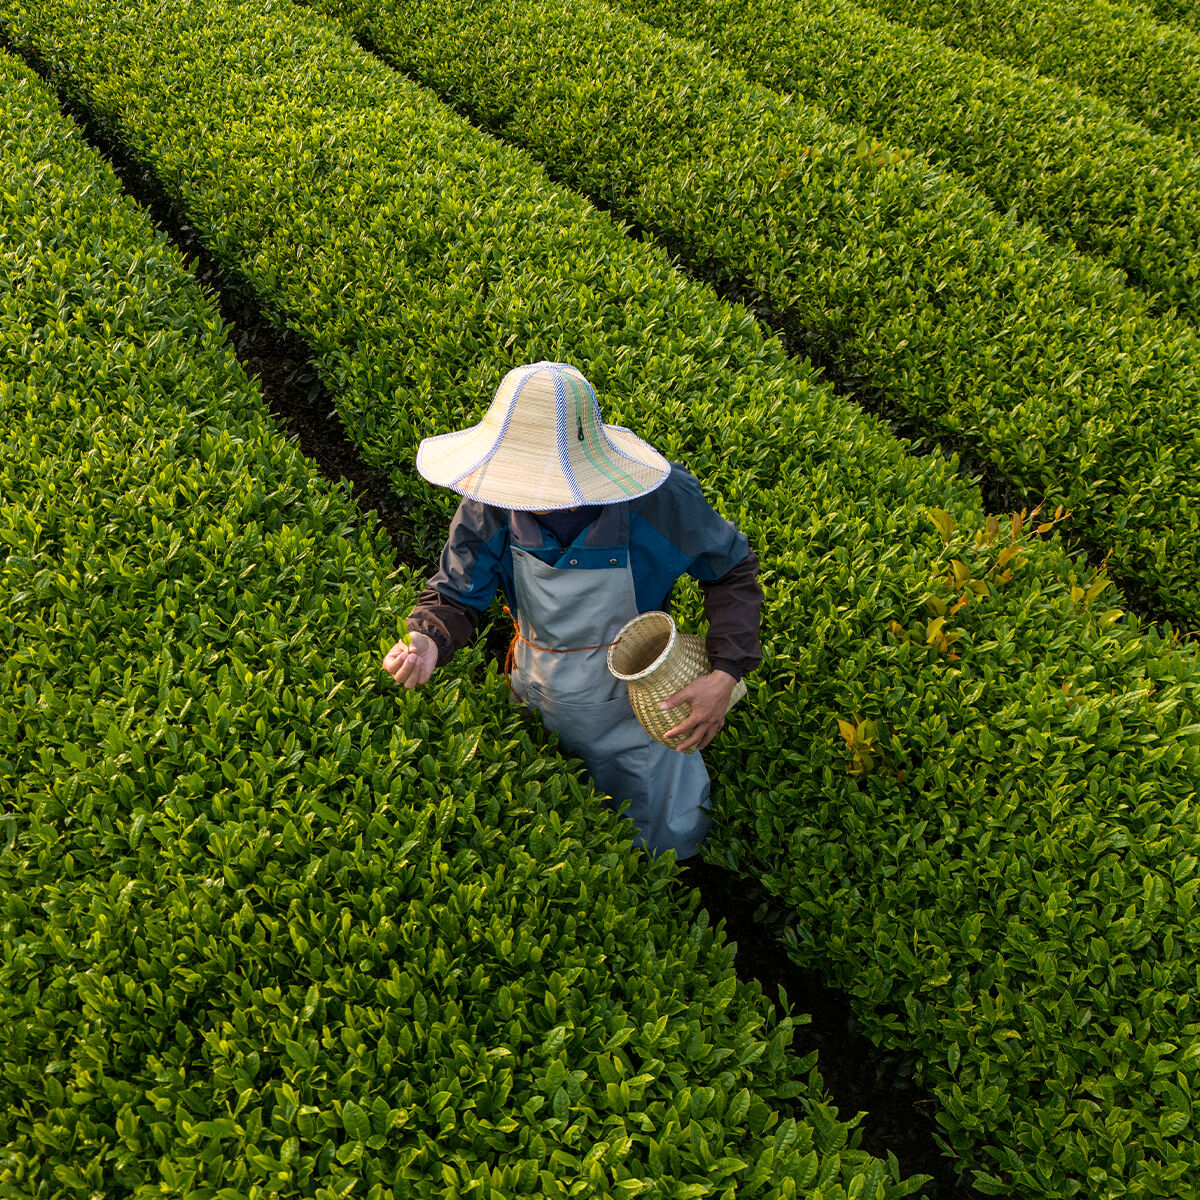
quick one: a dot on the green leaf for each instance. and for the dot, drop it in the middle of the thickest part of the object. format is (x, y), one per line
(944, 522)
(74, 755)
(355, 1122)
(989, 1184)
(298, 1054)
(219, 1129)
(1172, 1124)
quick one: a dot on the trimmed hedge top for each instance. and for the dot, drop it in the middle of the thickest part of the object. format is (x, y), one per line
(1115, 51)
(1077, 165)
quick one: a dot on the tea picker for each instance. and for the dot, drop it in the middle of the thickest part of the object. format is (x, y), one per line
(583, 527)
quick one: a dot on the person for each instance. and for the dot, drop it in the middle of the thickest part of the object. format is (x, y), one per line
(583, 526)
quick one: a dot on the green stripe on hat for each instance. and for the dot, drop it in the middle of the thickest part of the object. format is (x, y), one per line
(623, 480)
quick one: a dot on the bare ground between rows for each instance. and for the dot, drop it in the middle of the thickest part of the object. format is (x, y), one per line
(275, 357)
(858, 1076)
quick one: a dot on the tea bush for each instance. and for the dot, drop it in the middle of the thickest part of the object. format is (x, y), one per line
(912, 287)
(1115, 51)
(268, 925)
(958, 753)
(1183, 12)
(1077, 165)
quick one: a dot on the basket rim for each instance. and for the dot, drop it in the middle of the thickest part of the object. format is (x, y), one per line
(639, 619)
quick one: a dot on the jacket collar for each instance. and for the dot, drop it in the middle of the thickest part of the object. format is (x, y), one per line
(610, 528)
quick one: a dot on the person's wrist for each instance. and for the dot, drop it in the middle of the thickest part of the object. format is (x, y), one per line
(726, 665)
(426, 646)
(435, 637)
(724, 680)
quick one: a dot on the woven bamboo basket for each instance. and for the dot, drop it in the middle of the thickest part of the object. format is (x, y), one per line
(656, 660)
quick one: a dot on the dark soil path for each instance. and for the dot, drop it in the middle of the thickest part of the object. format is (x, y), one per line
(858, 1075)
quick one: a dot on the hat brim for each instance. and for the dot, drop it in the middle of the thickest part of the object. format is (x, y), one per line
(473, 463)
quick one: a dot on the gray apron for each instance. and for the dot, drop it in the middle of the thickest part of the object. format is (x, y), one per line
(581, 701)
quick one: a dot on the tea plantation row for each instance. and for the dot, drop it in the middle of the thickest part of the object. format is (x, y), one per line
(1184, 12)
(904, 279)
(1075, 164)
(1116, 52)
(999, 860)
(268, 926)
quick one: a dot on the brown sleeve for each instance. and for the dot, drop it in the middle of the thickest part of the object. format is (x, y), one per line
(451, 624)
(733, 605)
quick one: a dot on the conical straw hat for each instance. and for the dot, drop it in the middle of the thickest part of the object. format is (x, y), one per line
(542, 445)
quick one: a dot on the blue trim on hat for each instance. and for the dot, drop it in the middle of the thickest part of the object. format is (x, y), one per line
(557, 369)
(560, 417)
(487, 458)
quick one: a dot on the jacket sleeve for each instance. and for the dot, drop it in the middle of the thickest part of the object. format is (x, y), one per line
(733, 606)
(470, 570)
(726, 569)
(451, 624)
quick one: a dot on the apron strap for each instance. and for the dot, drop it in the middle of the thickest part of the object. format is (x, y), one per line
(518, 636)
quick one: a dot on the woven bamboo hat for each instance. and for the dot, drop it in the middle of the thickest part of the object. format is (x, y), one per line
(542, 445)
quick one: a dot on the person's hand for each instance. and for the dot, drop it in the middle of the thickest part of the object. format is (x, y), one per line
(412, 665)
(709, 697)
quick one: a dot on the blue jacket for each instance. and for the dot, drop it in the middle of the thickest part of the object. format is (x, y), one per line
(670, 532)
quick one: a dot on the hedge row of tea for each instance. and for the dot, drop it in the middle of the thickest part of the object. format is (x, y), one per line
(982, 692)
(913, 286)
(1073, 163)
(269, 925)
(1183, 12)
(1119, 53)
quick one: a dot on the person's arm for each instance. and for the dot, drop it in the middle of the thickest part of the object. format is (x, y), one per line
(714, 552)
(726, 569)
(733, 606)
(447, 622)
(448, 611)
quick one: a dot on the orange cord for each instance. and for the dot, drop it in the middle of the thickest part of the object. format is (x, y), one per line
(518, 636)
